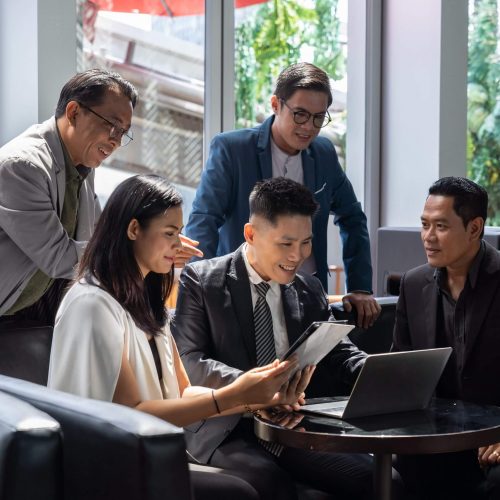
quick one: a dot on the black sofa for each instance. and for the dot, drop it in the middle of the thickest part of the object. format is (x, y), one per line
(377, 338)
(30, 452)
(110, 451)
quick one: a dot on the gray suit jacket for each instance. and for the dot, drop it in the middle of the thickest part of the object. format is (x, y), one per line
(32, 185)
(214, 331)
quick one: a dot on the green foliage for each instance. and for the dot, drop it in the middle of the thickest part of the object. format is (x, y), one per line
(483, 41)
(273, 39)
(245, 78)
(483, 120)
(278, 40)
(325, 39)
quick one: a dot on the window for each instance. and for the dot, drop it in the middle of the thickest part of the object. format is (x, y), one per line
(483, 107)
(270, 36)
(161, 51)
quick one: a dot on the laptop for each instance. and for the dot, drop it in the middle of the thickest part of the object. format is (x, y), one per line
(388, 383)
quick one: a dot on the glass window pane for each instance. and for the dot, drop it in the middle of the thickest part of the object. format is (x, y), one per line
(483, 106)
(270, 36)
(159, 47)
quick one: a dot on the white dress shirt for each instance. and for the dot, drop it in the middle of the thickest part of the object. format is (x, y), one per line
(285, 165)
(273, 298)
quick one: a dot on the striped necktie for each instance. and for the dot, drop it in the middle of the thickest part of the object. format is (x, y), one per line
(263, 324)
(264, 344)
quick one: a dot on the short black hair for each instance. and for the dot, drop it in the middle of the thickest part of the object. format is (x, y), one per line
(280, 196)
(302, 76)
(89, 88)
(470, 200)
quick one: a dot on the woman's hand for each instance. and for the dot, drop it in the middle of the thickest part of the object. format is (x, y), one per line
(262, 385)
(271, 385)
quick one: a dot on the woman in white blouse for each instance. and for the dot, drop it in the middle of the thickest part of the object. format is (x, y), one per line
(112, 339)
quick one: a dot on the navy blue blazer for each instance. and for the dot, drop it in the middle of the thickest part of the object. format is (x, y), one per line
(214, 331)
(240, 158)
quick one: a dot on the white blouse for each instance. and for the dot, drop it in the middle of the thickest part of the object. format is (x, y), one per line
(91, 332)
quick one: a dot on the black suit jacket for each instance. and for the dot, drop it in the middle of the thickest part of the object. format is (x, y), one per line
(416, 323)
(214, 331)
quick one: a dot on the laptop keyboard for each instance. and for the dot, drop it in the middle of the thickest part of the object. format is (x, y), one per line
(335, 408)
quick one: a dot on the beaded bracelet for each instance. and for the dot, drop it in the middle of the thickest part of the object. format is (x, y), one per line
(215, 402)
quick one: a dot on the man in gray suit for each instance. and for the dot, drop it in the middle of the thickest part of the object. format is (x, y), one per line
(48, 206)
(218, 329)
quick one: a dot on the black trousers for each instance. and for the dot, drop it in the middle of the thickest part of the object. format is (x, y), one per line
(342, 475)
(449, 475)
(210, 485)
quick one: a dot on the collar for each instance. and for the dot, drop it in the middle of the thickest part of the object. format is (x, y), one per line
(254, 276)
(264, 134)
(440, 274)
(276, 150)
(79, 172)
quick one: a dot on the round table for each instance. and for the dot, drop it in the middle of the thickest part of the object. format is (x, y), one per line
(445, 426)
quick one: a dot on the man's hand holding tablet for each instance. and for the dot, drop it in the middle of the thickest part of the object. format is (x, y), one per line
(293, 391)
(310, 348)
(317, 341)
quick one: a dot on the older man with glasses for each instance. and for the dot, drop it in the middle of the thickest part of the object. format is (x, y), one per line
(48, 207)
(287, 145)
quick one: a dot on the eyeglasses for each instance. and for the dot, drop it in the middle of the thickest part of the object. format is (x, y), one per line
(320, 120)
(115, 132)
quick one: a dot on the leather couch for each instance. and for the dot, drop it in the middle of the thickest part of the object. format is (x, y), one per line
(30, 452)
(377, 338)
(110, 451)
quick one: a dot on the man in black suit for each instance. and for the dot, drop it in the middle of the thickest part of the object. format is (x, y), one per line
(454, 300)
(217, 338)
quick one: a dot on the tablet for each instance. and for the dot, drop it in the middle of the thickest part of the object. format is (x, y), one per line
(317, 341)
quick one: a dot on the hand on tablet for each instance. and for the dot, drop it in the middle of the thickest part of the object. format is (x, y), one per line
(291, 395)
(262, 385)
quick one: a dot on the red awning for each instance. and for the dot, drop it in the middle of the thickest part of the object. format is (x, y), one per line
(163, 7)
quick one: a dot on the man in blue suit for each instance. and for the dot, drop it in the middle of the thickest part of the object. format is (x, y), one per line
(287, 145)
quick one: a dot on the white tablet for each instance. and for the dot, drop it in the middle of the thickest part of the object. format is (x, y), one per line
(317, 341)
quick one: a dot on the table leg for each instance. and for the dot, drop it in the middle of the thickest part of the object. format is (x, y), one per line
(382, 477)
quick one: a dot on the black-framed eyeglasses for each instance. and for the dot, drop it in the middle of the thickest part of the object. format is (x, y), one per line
(300, 117)
(115, 132)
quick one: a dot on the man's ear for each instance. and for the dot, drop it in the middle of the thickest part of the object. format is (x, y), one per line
(72, 110)
(275, 104)
(133, 229)
(249, 233)
(476, 226)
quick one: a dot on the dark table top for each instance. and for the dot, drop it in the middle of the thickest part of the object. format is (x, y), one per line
(446, 426)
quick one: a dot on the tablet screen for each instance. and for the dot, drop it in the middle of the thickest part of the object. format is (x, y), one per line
(317, 341)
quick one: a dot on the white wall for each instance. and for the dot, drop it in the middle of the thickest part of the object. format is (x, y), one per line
(363, 108)
(18, 67)
(57, 37)
(37, 55)
(424, 102)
